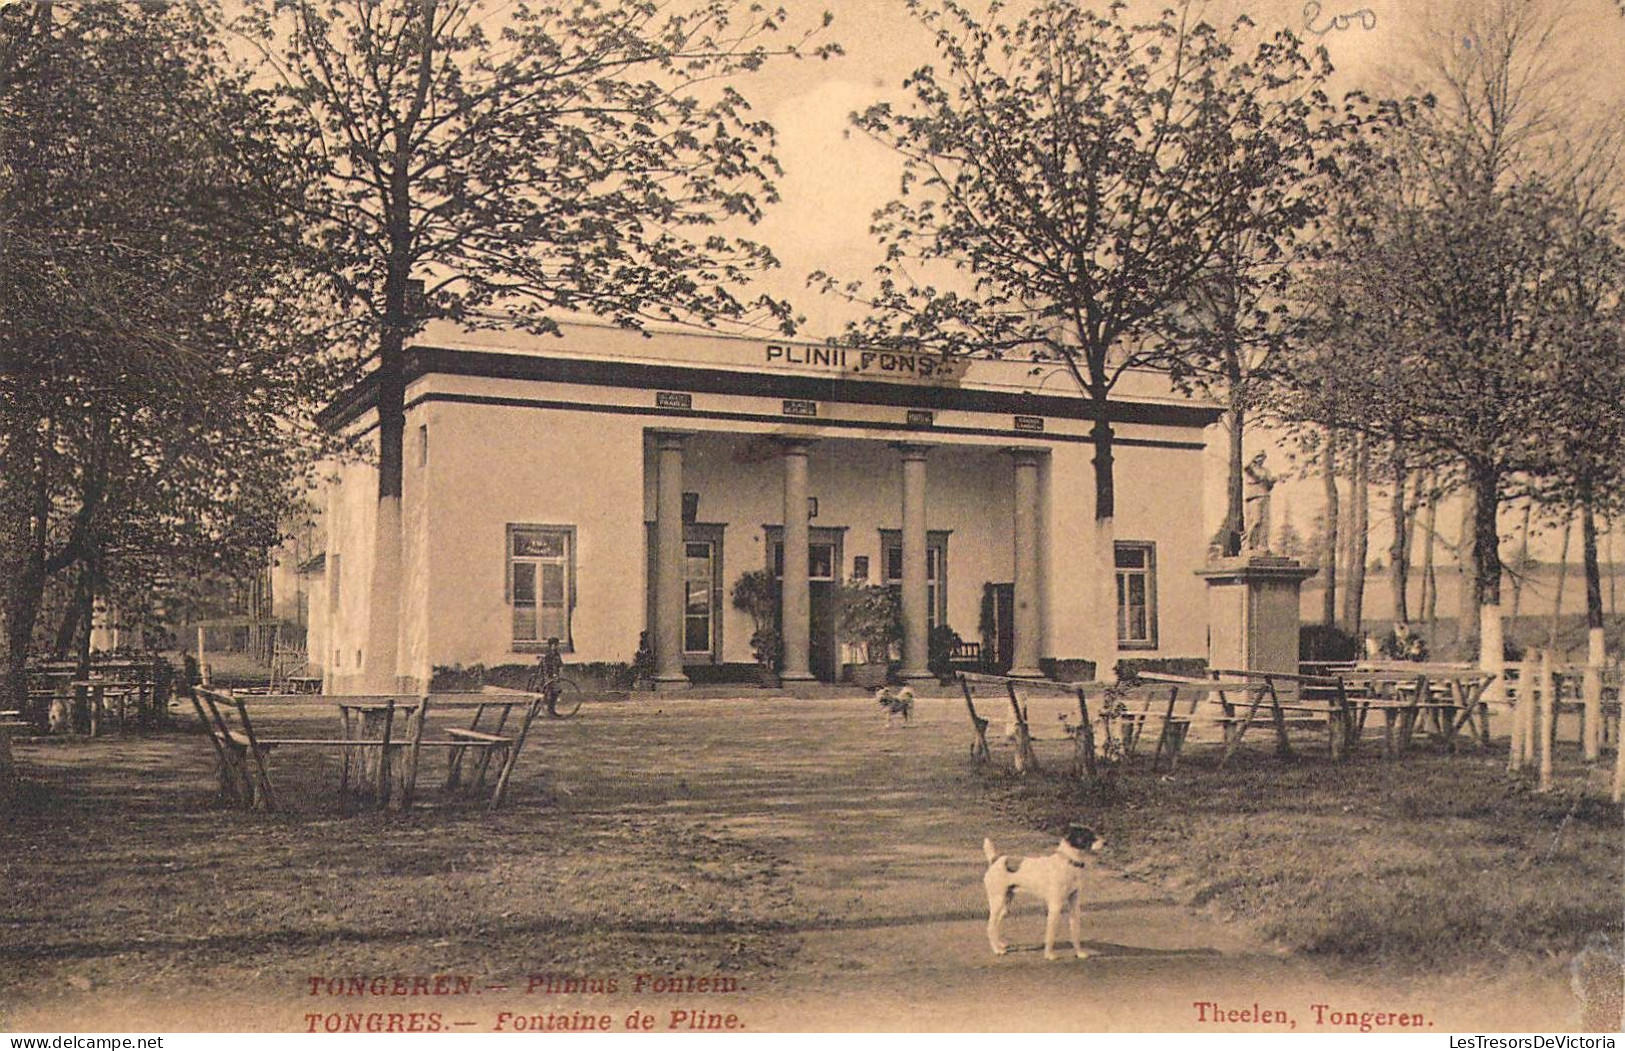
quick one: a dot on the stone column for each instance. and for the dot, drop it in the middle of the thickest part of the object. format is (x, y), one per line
(1028, 622)
(668, 618)
(796, 609)
(916, 596)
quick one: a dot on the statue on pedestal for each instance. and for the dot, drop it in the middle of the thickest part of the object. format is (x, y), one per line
(1257, 504)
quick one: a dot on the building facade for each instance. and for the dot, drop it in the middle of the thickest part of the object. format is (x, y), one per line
(604, 484)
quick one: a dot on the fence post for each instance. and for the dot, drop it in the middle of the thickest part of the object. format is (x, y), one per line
(1548, 712)
(1591, 691)
(1619, 765)
(1520, 699)
(1531, 715)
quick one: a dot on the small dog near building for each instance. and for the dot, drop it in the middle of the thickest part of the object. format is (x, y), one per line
(896, 702)
(1057, 879)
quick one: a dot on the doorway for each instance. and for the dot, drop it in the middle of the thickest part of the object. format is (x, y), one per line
(823, 578)
(998, 627)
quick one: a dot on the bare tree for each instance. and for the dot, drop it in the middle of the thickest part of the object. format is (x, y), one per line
(522, 161)
(1088, 178)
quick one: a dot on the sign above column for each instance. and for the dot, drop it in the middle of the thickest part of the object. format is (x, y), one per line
(862, 363)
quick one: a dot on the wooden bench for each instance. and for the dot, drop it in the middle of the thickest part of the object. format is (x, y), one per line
(1025, 760)
(966, 656)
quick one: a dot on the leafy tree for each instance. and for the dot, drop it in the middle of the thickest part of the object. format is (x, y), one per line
(1443, 294)
(1071, 179)
(1580, 446)
(151, 384)
(522, 161)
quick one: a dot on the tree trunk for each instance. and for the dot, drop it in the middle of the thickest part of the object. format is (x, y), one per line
(401, 316)
(1105, 487)
(384, 588)
(27, 512)
(22, 612)
(1467, 601)
(86, 625)
(1359, 537)
(1486, 536)
(1399, 557)
(1593, 570)
(1523, 560)
(1235, 526)
(1430, 581)
(1562, 579)
(1486, 489)
(1613, 574)
(1329, 548)
(78, 602)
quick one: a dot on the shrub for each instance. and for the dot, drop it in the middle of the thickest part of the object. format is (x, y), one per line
(871, 617)
(1191, 667)
(767, 646)
(1321, 642)
(940, 650)
(756, 594)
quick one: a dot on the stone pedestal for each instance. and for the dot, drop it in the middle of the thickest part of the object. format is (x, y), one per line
(1252, 607)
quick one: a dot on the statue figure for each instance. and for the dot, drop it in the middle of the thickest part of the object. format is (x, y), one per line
(1257, 503)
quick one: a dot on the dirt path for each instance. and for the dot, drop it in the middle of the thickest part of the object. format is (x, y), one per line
(853, 852)
(884, 830)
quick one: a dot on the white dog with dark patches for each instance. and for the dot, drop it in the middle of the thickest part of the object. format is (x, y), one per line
(1057, 879)
(895, 702)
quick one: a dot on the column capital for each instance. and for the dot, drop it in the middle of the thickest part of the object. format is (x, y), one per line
(670, 439)
(1026, 455)
(794, 444)
(913, 450)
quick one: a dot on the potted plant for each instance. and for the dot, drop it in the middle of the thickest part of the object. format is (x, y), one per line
(756, 594)
(940, 649)
(871, 620)
(767, 646)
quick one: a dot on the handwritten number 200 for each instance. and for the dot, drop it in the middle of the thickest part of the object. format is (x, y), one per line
(1311, 14)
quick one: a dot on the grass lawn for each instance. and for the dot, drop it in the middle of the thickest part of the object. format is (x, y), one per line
(1433, 863)
(123, 866)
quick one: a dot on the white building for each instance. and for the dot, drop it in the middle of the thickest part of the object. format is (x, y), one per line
(593, 486)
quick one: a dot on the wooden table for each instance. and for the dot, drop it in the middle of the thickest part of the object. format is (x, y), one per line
(376, 733)
(1441, 700)
(368, 728)
(98, 692)
(1243, 697)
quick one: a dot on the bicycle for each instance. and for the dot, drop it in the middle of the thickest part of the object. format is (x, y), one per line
(561, 697)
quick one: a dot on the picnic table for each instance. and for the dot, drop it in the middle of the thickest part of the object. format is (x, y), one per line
(1235, 699)
(1441, 699)
(1438, 700)
(64, 696)
(374, 734)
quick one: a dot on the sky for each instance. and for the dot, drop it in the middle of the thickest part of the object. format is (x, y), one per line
(835, 177)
